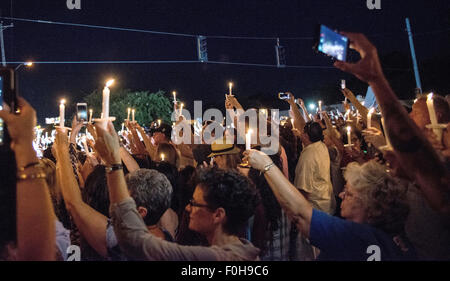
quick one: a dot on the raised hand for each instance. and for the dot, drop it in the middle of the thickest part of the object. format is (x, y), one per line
(368, 68)
(107, 144)
(257, 159)
(374, 136)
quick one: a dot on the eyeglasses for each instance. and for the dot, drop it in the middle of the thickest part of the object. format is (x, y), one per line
(348, 194)
(195, 204)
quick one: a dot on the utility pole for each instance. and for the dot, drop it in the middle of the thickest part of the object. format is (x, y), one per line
(413, 55)
(2, 43)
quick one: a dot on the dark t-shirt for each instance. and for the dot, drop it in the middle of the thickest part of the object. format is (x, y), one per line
(342, 240)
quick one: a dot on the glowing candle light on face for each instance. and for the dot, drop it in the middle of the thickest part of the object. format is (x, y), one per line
(105, 102)
(132, 114)
(248, 139)
(62, 108)
(349, 135)
(369, 117)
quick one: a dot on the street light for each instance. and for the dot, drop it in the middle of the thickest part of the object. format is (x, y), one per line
(28, 64)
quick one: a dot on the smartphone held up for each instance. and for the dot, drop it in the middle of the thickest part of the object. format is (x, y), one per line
(331, 43)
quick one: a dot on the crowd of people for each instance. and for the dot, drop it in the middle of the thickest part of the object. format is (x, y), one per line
(353, 186)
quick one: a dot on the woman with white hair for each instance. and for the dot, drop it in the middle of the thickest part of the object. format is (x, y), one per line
(374, 209)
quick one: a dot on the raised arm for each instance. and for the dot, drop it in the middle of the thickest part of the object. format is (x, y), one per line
(291, 200)
(90, 223)
(35, 215)
(411, 147)
(299, 121)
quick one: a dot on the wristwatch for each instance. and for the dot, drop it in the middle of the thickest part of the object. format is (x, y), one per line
(113, 167)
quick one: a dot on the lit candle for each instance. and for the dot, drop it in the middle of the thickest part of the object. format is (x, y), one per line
(369, 117)
(349, 137)
(230, 86)
(132, 114)
(264, 113)
(431, 111)
(128, 114)
(90, 115)
(292, 121)
(320, 106)
(174, 96)
(162, 157)
(248, 139)
(159, 122)
(61, 113)
(181, 108)
(122, 126)
(105, 102)
(342, 84)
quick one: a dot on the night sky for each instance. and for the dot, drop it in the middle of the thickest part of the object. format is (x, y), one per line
(44, 84)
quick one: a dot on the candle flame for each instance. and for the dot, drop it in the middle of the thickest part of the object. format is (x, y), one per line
(371, 110)
(109, 83)
(90, 110)
(349, 129)
(63, 101)
(415, 100)
(133, 110)
(230, 84)
(250, 131)
(430, 96)
(29, 63)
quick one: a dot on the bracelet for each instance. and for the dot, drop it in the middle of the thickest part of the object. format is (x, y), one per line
(25, 176)
(113, 167)
(33, 164)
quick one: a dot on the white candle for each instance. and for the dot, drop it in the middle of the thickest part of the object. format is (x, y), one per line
(128, 114)
(162, 157)
(181, 109)
(132, 114)
(292, 121)
(320, 106)
(174, 96)
(349, 137)
(248, 139)
(342, 84)
(61, 113)
(159, 122)
(90, 115)
(105, 102)
(431, 111)
(122, 126)
(369, 117)
(230, 86)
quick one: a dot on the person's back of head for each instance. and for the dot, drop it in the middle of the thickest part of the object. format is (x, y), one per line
(314, 131)
(95, 191)
(231, 191)
(151, 190)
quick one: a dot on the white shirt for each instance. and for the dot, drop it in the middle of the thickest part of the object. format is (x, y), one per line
(312, 175)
